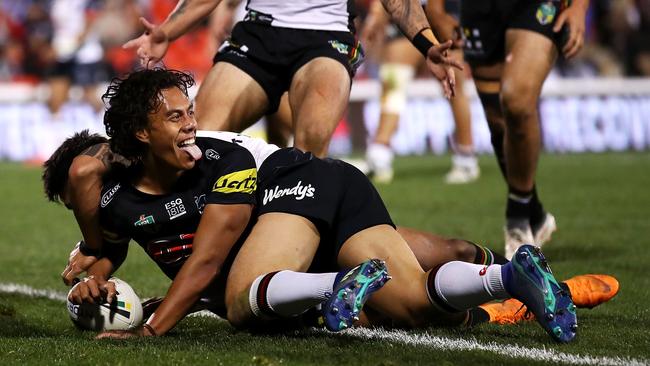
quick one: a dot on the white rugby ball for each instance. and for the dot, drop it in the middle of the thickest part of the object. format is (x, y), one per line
(125, 312)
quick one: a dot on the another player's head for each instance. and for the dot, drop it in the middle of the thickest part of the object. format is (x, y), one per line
(150, 118)
(55, 169)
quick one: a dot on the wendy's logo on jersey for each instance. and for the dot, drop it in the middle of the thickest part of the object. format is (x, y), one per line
(144, 220)
(341, 47)
(108, 195)
(243, 181)
(175, 208)
(211, 154)
(545, 13)
(299, 192)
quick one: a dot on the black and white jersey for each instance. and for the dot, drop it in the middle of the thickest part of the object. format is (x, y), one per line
(331, 15)
(258, 148)
(164, 225)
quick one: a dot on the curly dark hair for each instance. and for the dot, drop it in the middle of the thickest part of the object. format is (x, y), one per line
(130, 100)
(55, 169)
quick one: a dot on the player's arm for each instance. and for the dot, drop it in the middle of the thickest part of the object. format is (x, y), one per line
(152, 45)
(373, 29)
(95, 286)
(410, 18)
(219, 229)
(82, 193)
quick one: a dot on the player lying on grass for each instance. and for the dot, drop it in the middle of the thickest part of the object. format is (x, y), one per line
(91, 155)
(311, 214)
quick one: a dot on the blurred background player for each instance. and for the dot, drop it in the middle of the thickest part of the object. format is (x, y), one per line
(399, 63)
(511, 47)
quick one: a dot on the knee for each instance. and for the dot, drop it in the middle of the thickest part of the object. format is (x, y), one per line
(462, 250)
(313, 137)
(519, 103)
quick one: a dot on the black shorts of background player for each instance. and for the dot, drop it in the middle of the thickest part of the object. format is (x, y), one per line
(302, 49)
(511, 46)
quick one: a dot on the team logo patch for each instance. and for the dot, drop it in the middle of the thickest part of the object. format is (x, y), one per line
(108, 196)
(299, 192)
(144, 220)
(175, 208)
(341, 47)
(546, 13)
(210, 154)
(243, 181)
(200, 203)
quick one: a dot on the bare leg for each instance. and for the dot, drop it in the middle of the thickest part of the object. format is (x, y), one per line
(278, 124)
(229, 100)
(293, 248)
(318, 96)
(399, 62)
(464, 164)
(530, 57)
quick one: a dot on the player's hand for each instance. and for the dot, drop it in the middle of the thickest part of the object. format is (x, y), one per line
(77, 264)
(151, 46)
(440, 64)
(446, 27)
(124, 334)
(572, 17)
(92, 290)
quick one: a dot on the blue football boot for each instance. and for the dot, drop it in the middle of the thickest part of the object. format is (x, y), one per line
(529, 279)
(352, 289)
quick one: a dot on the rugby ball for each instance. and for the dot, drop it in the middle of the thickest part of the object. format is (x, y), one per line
(125, 312)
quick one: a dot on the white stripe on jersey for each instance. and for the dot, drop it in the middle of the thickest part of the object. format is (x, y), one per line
(330, 15)
(259, 148)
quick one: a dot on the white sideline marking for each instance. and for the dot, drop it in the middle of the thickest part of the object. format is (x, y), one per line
(404, 337)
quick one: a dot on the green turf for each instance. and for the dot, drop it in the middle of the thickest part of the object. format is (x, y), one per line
(601, 202)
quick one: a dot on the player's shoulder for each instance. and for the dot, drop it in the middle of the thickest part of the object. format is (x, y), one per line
(215, 149)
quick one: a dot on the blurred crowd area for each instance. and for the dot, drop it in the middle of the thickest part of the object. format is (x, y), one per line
(78, 42)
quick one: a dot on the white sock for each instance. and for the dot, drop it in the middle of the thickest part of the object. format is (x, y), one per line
(464, 285)
(288, 293)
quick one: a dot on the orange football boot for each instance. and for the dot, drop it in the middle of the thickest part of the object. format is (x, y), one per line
(587, 291)
(590, 290)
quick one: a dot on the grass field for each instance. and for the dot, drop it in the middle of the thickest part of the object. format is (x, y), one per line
(602, 204)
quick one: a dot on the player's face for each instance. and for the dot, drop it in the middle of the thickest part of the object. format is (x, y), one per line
(171, 132)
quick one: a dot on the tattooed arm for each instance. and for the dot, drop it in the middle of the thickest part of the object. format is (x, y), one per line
(82, 194)
(410, 18)
(152, 45)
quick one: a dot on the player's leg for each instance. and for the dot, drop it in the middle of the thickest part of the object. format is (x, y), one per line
(465, 167)
(432, 250)
(278, 244)
(530, 57)
(318, 96)
(279, 124)
(399, 61)
(229, 99)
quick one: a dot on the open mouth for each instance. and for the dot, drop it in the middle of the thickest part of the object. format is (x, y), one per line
(189, 146)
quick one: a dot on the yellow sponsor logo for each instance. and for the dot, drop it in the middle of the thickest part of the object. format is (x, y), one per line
(243, 181)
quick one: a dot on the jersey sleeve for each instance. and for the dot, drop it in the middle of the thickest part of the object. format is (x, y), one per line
(235, 179)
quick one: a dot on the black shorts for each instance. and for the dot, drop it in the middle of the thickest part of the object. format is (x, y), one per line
(485, 22)
(272, 55)
(334, 195)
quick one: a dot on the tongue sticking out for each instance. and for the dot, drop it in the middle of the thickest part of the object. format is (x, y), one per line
(193, 150)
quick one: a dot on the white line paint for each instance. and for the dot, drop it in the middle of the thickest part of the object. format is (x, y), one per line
(408, 338)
